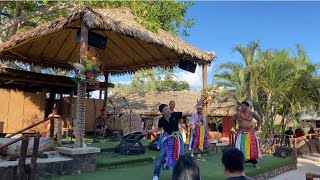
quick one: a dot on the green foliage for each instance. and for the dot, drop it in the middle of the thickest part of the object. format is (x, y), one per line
(277, 81)
(168, 15)
(152, 80)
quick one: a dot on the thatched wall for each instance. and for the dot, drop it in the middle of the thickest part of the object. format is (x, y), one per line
(19, 110)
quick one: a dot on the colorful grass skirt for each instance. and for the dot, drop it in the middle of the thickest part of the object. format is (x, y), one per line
(247, 142)
(173, 145)
(198, 140)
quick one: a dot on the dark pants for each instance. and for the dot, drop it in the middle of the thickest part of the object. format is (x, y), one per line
(254, 161)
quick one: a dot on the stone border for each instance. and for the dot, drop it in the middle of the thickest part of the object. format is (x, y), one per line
(275, 172)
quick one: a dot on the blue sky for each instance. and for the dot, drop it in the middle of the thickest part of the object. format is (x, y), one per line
(219, 26)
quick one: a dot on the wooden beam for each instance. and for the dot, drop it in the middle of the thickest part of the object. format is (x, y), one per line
(106, 79)
(205, 85)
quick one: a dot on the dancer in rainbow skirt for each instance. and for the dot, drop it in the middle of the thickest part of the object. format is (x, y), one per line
(172, 145)
(246, 139)
(198, 132)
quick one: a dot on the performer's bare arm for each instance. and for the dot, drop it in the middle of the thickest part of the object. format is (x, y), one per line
(233, 121)
(258, 118)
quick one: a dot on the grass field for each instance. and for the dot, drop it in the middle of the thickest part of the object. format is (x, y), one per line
(210, 169)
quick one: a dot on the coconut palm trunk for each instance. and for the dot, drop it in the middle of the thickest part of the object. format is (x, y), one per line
(81, 114)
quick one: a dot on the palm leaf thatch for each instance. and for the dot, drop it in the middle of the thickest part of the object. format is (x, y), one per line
(147, 103)
(130, 46)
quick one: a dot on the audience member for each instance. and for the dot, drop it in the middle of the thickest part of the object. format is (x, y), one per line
(233, 164)
(186, 169)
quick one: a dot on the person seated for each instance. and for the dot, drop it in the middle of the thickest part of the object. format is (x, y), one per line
(233, 164)
(287, 134)
(298, 132)
(186, 169)
(220, 128)
(312, 131)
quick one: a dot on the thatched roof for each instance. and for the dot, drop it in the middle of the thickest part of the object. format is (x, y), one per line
(147, 103)
(35, 82)
(130, 46)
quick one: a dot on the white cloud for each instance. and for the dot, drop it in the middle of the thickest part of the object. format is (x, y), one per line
(193, 79)
(124, 82)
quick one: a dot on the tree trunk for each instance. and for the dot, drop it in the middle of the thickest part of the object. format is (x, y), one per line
(81, 114)
(14, 28)
(25, 17)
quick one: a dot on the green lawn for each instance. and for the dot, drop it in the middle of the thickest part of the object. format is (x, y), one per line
(210, 169)
(106, 145)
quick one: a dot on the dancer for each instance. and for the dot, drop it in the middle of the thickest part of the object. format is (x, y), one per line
(198, 132)
(172, 145)
(246, 140)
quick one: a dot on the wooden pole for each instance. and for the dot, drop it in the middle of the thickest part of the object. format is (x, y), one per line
(44, 100)
(33, 164)
(205, 86)
(22, 158)
(106, 79)
(81, 103)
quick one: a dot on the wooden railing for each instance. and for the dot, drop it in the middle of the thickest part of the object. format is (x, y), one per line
(294, 141)
(21, 172)
(310, 176)
(59, 133)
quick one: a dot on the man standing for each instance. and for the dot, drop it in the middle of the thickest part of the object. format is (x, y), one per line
(233, 164)
(199, 131)
(246, 140)
(172, 105)
(172, 145)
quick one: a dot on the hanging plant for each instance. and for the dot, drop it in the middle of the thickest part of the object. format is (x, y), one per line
(208, 95)
(87, 70)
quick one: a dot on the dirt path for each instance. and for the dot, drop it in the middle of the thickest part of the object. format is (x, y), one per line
(304, 166)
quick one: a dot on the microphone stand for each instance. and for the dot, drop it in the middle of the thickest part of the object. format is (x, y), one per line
(113, 134)
(95, 122)
(130, 122)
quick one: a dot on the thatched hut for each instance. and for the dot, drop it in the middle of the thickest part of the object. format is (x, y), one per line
(146, 104)
(129, 46)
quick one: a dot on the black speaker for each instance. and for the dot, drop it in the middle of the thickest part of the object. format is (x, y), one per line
(187, 66)
(94, 39)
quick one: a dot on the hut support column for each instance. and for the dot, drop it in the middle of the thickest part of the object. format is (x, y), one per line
(205, 85)
(82, 86)
(106, 77)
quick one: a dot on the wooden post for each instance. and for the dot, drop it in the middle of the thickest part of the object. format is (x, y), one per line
(106, 79)
(100, 94)
(205, 85)
(44, 100)
(81, 103)
(33, 164)
(22, 158)
(52, 127)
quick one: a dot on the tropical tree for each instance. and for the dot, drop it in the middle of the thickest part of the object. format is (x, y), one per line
(280, 83)
(249, 57)
(153, 80)
(23, 15)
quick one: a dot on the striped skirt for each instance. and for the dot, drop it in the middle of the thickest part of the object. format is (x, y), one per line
(247, 142)
(199, 140)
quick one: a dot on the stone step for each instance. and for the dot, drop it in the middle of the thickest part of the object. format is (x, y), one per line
(311, 158)
(316, 155)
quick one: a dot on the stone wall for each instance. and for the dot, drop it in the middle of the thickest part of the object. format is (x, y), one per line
(50, 167)
(275, 172)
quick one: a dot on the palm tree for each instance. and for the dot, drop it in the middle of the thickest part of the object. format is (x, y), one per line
(249, 56)
(232, 76)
